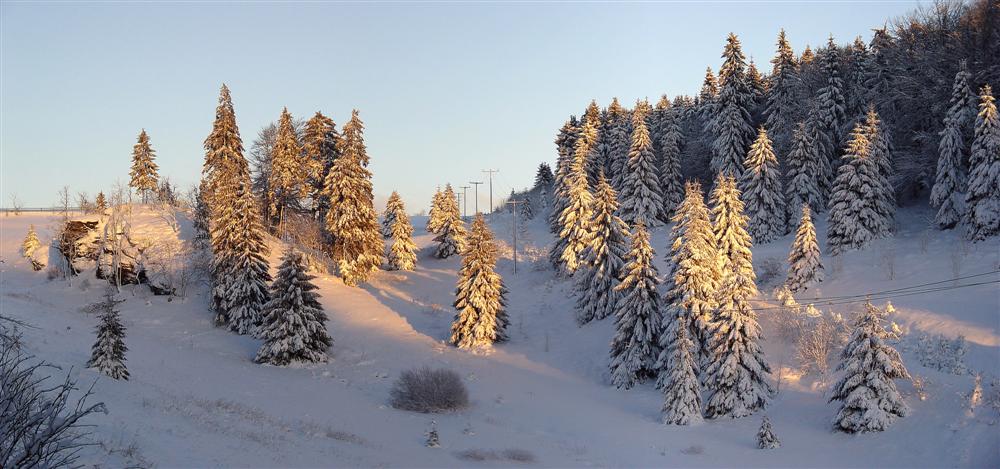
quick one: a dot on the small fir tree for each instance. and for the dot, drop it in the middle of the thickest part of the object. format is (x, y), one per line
(481, 319)
(30, 243)
(294, 324)
(603, 258)
(435, 216)
(526, 208)
(762, 192)
(392, 207)
(869, 399)
(101, 202)
(108, 353)
(635, 347)
(452, 235)
(681, 389)
(144, 176)
(856, 216)
(402, 253)
(804, 265)
(804, 172)
(640, 195)
(765, 436)
(433, 440)
(983, 196)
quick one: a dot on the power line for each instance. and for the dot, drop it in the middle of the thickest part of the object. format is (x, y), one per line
(894, 290)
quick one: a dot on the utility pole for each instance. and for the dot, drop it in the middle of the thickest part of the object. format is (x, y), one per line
(514, 203)
(491, 172)
(461, 198)
(465, 202)
(476, 183)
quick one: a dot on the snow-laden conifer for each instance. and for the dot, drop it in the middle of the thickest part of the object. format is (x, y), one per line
(803, 173)
(574, 220)
(144, 176)
(983, 196)
(856, 90)
(566, 148)
(481, 319)
(435, 216)
(452, 234)
(731, 123)
(402, 253)
(108, 353)
(287, 181)
(294, 324)
(830, 104)
(603, 259)
(671, 179)
(869, 400)
(765, 436)
(781, 106)
(392, 207)
(30, 243)
(526, 210)
(544, 177)
(880, 152)
(948, 193)
(352, 221)
(319, 147)
(619, 141)
(635, 346)
(737, 372)
(804, 264)
(762, 191)
(641, 201)
(224, 162)
(856, 216)
(679, 375)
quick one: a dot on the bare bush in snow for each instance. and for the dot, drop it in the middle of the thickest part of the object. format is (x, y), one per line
(770, 269)
(429, 390)
(823, 337)
(15, 205)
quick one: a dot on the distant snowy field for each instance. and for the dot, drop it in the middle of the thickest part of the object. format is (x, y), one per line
(196, 399)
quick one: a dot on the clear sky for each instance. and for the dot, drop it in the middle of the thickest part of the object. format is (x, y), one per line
(445, 89)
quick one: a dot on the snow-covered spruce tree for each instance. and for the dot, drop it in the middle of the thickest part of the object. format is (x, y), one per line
(869, 399)
(804, 265)
(319, 147)
(30, 243)
(983, 196)
(435, 215)
(803, 173)
(880, 152)
(480, 296)
(392, 207)
(287, 181)
(640, 194)
(825, 174)
(781, 106)
(240, 264)
(144, 176)
(294, 324)
(544, 177)
(671, 179)
(731, 124)
(707, 99)
(736, 375)
(856, 90)
(603, 261)
(526, 209)
(765, 436)
(452, 235)
(758, 88)
(830, 104)
(678, 372)
(856, 217)
(108, 353)
(352, 221)
(619, 141)
(948, 195)
(596, 157)
(762, 191)
(693, 281)
(200, 222)
(565, 146)
(635, 347)
(402, 253)
(224, 162)
(574, 221)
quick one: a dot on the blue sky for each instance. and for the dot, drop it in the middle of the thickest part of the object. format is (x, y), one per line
(445, 89)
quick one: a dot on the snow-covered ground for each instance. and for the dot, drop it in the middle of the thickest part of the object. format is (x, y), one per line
(196, 399)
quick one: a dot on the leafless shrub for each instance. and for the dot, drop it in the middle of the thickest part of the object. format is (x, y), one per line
(888, 258)
(83, 201)
(305, 235)
(694, 450)
(508, 455)
(959, 250)
(770, 269)
(54, 272)
(64, 204)
(15, 204)
(429, 390)
(39, 426)
(818, 343)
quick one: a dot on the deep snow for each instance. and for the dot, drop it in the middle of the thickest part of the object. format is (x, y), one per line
(196, 399)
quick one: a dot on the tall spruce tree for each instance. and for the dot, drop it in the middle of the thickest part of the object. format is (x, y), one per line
(869, 399)
(736, 375)
(635, 347)
(671, 178)
(320, 142)
(781, 105)
(831, 104)
(288, 179)
(108, 353)
(804, 265)
(392, 207)
(948, 193)
(481, 319)
(856, 217)
(880, 152)
(804, 171)
(566, 148)
(435, 216)
(144, 176)
(452, 236)
(681, 389)
(224, 162)
(983, 196)
(640, 193)
(294, 324)
(603, 259)
(762, 191)
(574, 220)
(619, 143)
(731, 124)
(352, 221)
(855, 88)
(543, 177)
(402, 253)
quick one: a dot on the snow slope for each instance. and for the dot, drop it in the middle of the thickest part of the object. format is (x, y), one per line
(196, 399)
